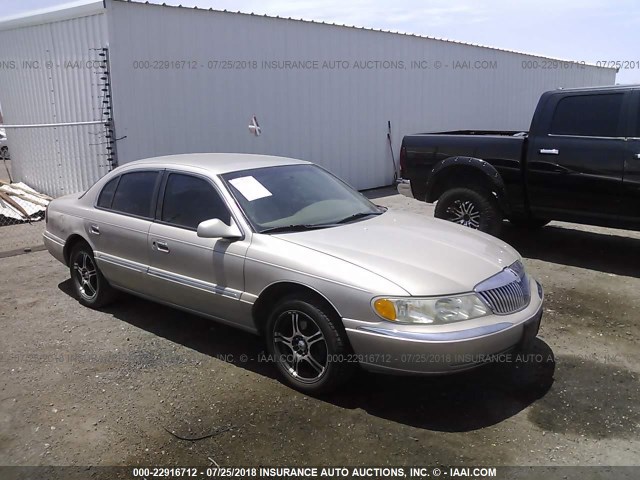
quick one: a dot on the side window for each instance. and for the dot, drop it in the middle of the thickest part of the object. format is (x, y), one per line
(190, 200)
(135, 193)
(588, 115)
(106, 195)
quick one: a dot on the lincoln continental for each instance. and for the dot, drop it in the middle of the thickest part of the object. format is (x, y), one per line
(283, 249)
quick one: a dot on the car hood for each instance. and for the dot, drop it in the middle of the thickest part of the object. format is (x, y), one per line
(424, 256)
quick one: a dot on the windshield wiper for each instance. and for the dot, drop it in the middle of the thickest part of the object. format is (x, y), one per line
(356, 216)
(292, 228)
(316, 226)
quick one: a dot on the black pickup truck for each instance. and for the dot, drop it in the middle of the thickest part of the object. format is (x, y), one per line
(579, 162)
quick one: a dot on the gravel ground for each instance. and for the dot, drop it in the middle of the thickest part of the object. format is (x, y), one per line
(119, 386)
(16, 238)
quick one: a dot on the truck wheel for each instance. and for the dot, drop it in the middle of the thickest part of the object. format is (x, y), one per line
(308, 344)
(470, 208)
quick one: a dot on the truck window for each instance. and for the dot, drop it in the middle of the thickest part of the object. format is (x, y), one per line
(588, 115)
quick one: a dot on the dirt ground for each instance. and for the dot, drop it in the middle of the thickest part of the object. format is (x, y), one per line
(82, 387)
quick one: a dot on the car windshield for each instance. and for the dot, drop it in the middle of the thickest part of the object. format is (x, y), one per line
(296, 197)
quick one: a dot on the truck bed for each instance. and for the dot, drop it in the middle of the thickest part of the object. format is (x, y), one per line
(502, 149)
(501, 133)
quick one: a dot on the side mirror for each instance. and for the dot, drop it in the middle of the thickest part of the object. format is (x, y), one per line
(216, 228)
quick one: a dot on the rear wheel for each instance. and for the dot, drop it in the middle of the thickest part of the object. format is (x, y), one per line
(90, 286)
(471, 208)
(308, 344)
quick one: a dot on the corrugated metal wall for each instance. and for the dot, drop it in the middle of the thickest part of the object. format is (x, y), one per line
(62, 159)
(335, 117)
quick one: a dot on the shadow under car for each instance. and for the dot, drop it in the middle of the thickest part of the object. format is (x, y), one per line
(460, 402)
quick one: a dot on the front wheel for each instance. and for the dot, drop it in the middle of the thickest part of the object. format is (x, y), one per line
(470, 208)
(90, 286)
(309, 345)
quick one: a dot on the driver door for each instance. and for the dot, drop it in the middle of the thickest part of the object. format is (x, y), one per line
(204, 275)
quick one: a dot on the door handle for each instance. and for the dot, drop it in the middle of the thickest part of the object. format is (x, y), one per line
(549, 151)
(161, 246)
(94, 229)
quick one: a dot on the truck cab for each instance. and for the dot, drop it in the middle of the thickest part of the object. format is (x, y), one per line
(583, 158)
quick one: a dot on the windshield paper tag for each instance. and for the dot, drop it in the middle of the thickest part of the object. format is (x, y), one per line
(250, 188)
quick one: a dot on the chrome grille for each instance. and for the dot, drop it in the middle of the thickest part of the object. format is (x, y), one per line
(508, 291)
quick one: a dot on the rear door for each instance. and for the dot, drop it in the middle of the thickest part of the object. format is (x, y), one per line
(630, 210)
(119, 226)
(575, 169)
(205, 275)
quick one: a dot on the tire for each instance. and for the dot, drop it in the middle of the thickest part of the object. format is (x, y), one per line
(531, 223)
(91, 288)
(471, 208)
(308, 345)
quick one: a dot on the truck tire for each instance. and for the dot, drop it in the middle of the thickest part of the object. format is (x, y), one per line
(471, 208)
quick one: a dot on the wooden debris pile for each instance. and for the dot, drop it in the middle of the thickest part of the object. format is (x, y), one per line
(21, 203)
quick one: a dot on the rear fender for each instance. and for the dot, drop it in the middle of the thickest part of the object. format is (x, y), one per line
(465, 172)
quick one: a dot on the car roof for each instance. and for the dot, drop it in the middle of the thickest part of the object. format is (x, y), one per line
(216, 163)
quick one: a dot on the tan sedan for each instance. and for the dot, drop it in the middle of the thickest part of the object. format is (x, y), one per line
(284, 249)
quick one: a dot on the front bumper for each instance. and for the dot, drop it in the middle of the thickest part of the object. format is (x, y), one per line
(404, 187)
(386, 348)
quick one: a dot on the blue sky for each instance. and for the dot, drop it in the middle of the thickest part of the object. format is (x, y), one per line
(581, 30)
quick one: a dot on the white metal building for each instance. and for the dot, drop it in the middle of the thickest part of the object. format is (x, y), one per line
(97, 83)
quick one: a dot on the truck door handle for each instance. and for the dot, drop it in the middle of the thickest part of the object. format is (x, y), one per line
(94, 229)
(549, 151)
(161, 246)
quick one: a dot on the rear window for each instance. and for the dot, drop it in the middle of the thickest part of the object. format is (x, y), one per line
(588, 115)
(134, 193)
(106, 195)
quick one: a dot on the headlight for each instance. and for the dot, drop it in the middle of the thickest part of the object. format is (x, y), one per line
(431, 310)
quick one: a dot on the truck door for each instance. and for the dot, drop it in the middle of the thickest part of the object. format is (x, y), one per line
(576, 159)
(630, 210)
